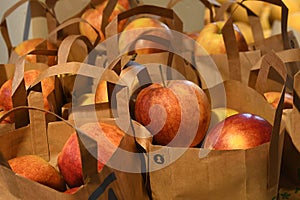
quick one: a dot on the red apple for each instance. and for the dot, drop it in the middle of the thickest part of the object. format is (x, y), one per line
(124, 3)
(108, 138)
(29, 77)
(130, 37)
(37, 169)
(72, 190)
(210, 38)
(29, 45)
(239, 131)
(177, 114)
(94, 17)
(274, 97)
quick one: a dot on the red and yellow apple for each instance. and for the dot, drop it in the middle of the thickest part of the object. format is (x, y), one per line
(27, 46)
(176, 114)
(108, 138)
(239, 131)
(37, 169)
(94, 17)
(211, 39)
(29, 77)
(131, 37)
(274, 97)
(72, 190)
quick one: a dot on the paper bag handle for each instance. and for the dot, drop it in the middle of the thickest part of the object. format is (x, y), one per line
(267, 61)
(108, 10)
(95, 72)
(112, 28)
(3, 25)
(296, 94)
(232, 51)
(37, 124)
(254, 20)
(86, 143)
(65, 47)
(19, 93)
(256, 27)
(70, 22)
(284, 18)
(41, 49)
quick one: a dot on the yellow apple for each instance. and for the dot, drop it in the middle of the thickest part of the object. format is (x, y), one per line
(245, 28)
(292, 5)
(207, 19)
(240, 14)
(210, 38)
(293, 21)
(219, 114)
(265, 17)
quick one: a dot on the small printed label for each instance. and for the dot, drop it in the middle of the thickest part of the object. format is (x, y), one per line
(159, 159)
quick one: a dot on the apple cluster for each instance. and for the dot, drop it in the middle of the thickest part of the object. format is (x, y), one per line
(67, 176)
(179, 114)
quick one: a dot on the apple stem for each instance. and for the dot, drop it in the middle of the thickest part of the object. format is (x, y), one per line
(161, 75)
(133, 57)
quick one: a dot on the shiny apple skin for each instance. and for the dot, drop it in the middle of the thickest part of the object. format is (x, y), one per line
(181, 104)
(210, 38)
(239, 131)
(108, 138)
(129, 39)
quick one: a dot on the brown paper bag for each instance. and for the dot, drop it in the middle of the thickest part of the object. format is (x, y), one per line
(108, 183)
(291, 59)
(279, 42)
(290, 158)
(193, 173)
(19, 92)
(234, 65)
(290, 166)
